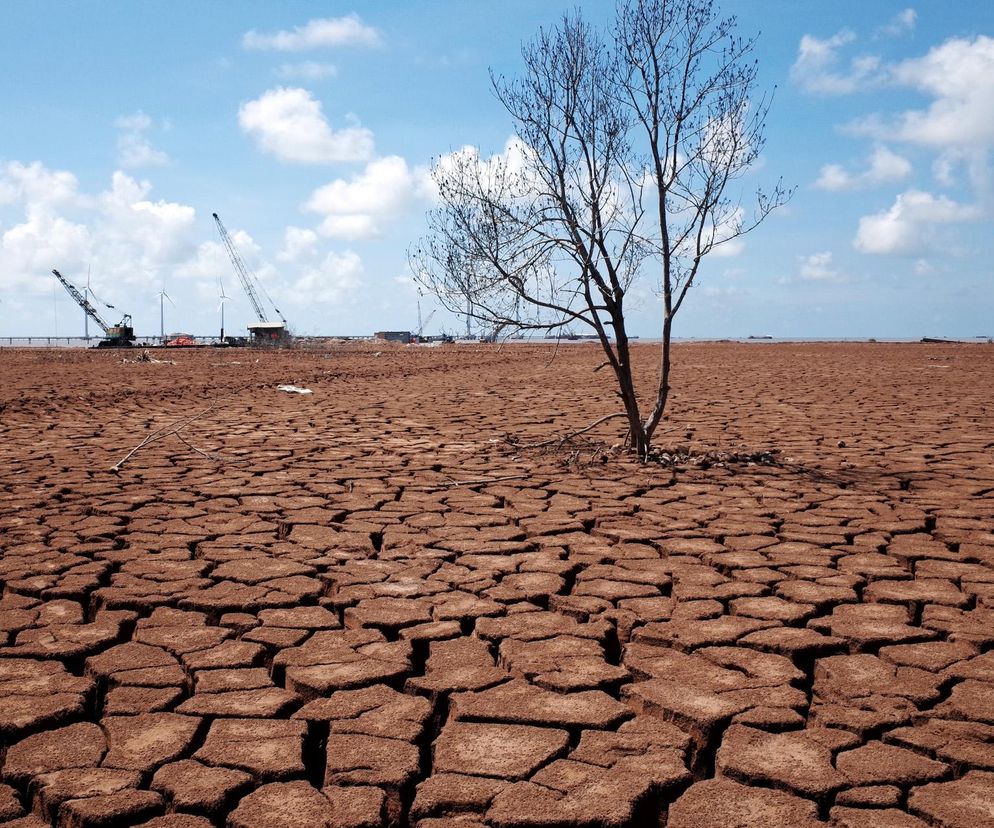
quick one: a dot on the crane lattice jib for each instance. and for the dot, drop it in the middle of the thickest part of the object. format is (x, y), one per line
(241, 271)
(82, 301)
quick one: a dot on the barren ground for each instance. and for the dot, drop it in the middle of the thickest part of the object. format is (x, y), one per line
(319, 628)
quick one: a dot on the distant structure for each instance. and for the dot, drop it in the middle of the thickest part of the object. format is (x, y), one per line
(262, 331)
(267, 333)
(391, 336)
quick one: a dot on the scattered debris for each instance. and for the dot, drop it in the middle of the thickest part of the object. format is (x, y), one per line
(146, 357)
(294, 389)
(685, 456)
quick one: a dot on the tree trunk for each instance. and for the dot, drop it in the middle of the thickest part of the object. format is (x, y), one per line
(663, 390)
(637, 438)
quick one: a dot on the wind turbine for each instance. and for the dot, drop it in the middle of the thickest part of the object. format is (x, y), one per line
(162, 312)
(220, 305)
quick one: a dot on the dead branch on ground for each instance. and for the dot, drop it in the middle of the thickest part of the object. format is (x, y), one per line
(158, 434)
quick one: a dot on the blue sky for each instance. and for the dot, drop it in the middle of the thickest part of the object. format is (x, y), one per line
(309, 127)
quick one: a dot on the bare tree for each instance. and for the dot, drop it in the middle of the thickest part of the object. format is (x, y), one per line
(627, 144)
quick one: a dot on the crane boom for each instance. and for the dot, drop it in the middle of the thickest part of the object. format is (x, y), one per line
(245, 276)
(82, 301)
(425, 324)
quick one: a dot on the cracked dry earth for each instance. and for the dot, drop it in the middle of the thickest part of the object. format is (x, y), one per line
(320, 630)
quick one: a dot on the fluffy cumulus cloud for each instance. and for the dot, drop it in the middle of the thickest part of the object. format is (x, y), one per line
(125, 236)
(959, 76)
(307, 70)
(360, 207)
(817, 67)
(885, 166)
(322, 33)
(335, 279)
(911, 224)
(35, 186)
(134, 149)
(290, 124)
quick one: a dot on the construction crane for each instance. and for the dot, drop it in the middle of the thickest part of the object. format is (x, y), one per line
(115, 336)
(423, 325)
(249, 283)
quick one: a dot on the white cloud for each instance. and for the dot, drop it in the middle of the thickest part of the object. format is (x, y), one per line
(885, 166)
(959, 74)
(290, 124)
(900, 24)
(818, 267)
(910, 225)
(298, 243)
(126, 237)
(358, 208)
(321, 33)
(36, 186)
(815, 69)
(133, 147)
(308, 70)
(337, 278)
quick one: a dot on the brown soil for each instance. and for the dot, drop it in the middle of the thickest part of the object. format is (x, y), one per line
(292, 614)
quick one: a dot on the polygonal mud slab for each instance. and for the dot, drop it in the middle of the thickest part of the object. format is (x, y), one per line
(266, 748)
(505, 751)
(720, 803)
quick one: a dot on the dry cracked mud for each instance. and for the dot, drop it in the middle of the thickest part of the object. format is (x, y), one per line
(293, 613)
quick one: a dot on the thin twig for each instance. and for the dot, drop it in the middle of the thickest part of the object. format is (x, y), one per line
(480, 482)
(573, 434)
(165, 431)
(202, 453)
